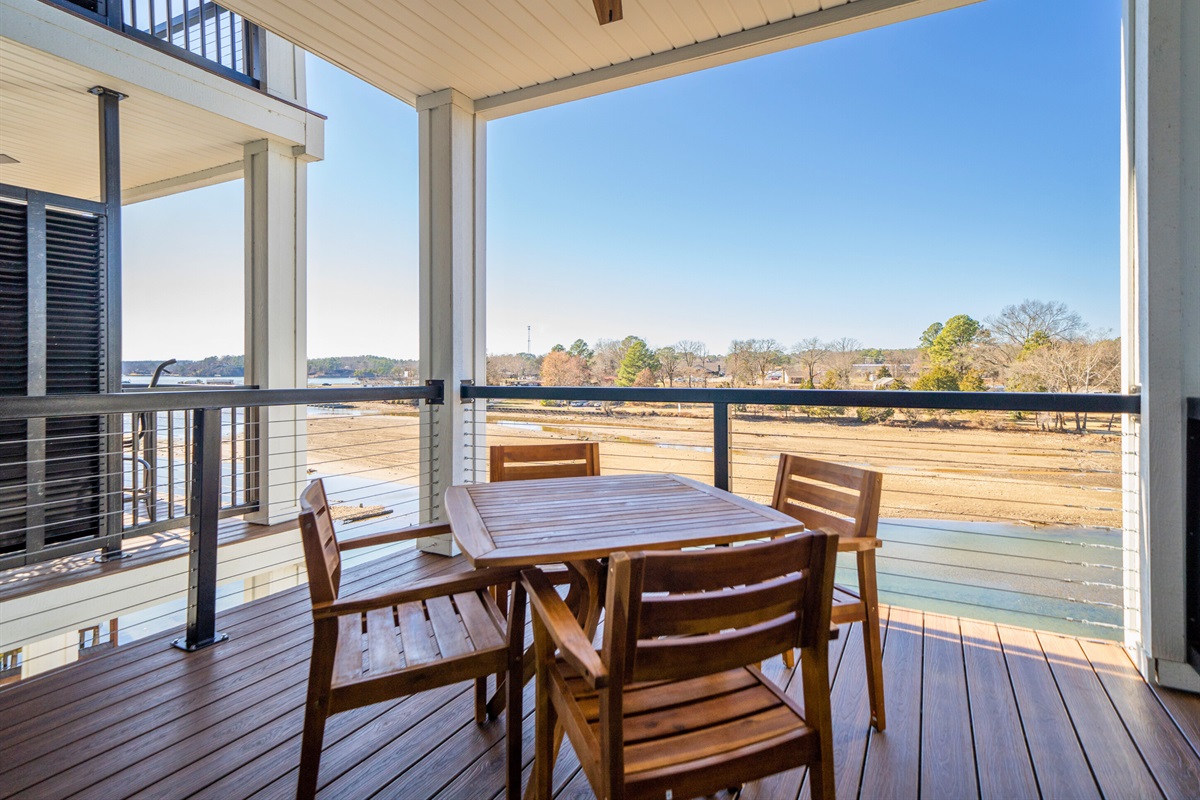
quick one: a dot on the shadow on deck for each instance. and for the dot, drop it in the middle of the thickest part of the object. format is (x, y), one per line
(974, 709)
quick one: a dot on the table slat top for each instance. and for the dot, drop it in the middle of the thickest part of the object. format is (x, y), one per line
(563, 519)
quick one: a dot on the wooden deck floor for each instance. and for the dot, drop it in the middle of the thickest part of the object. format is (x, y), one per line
(974, 710)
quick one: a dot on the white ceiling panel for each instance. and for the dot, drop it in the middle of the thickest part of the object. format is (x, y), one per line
(50, 125)
(525, 50)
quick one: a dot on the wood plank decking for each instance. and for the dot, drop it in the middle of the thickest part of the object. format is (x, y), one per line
(974, 710)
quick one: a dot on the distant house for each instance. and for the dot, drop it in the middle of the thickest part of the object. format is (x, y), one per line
(794, 378)
(882, 383)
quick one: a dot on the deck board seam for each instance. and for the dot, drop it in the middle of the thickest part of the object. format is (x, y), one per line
(1037, 779)
(1125, 725)
(1070, 719)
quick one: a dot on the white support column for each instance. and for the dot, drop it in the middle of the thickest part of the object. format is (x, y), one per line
(452, 291)
(276, 318)
(1161, 299)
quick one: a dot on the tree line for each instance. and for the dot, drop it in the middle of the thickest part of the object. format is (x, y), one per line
(365, 366)
(1032, 346)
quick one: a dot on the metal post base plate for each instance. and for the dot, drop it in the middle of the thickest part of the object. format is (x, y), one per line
(104, 558)
(182, 644)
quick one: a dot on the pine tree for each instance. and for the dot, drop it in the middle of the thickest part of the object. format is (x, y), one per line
(637, 358)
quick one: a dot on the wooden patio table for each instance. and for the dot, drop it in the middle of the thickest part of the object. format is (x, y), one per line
(573, 520)
(580, 522)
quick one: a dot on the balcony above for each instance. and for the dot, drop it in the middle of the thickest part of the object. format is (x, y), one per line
(182, 126)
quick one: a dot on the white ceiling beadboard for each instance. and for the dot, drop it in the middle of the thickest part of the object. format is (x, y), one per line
(49, 122)
(523, 54)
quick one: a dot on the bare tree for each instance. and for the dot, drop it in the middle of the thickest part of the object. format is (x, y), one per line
(842, 353)
(811, 354)
(693, 354)
(751, 359)
(1020, 328)
(669, 360)
(1078, 365)
(560, 368)
(511, 367)
(606, 359)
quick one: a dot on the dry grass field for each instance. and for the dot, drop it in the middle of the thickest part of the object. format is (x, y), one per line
(968, 467)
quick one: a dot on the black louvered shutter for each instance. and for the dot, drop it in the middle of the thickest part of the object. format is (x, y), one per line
(14, 361)
(74, 358)
(66, 505)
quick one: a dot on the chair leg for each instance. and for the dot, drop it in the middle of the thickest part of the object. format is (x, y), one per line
(872, 644)
(789, 658)
(514, 687)
(315, 713)
(481, 714)
(316, 707)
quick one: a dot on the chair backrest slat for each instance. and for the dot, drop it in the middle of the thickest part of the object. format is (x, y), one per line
(829, 496)
(692, 656)
(536, 461)
(705, 612)
(706, 570)
(685, 614)
(321, 554)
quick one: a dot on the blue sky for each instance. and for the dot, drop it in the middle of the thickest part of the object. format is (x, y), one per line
(861, 187)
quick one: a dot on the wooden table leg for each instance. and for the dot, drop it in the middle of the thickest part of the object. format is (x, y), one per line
(585, 597)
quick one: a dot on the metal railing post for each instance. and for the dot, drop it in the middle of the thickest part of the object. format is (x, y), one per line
(202, 553)
(721, 446)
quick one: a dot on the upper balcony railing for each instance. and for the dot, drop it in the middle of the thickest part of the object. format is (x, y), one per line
(201, 32)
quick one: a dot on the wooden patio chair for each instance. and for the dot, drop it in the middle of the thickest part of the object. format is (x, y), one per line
(394, 641)
(845, 501)
(674, 703)
(531, 461)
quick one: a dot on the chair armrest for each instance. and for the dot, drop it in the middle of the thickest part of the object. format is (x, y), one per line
(564, 629)
(849, 544)
(441, 586)
(402, 535)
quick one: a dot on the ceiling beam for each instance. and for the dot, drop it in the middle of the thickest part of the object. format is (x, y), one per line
(607, 10)
(771, 38)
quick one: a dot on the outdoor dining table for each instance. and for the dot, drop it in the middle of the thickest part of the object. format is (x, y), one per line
(580, 522)
(576, 520)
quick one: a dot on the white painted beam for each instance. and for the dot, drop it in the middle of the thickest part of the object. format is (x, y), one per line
(134, 68)
(453, 166)
(775, 37)
(183, 183)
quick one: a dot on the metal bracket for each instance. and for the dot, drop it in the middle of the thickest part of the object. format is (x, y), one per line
(102, 91)
(182, 644)
(465, 382)
(441, 385)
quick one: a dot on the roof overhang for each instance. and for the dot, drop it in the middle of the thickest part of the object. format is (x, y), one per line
(511, 56)
(181, 127)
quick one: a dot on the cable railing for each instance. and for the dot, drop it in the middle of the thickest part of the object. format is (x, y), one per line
(967, 525)
(372, 446)
(985, 513)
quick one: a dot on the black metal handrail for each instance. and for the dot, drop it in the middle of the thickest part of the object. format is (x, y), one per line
(722, 400)
(842, 398)
(70, 405)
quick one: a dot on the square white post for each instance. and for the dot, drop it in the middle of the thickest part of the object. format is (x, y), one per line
(1161, 312)
(276, 320)
(453, 168)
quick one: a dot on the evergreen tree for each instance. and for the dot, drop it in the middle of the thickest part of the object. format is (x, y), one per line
(637, 358)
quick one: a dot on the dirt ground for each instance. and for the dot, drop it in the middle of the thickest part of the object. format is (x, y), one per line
(967, 467)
